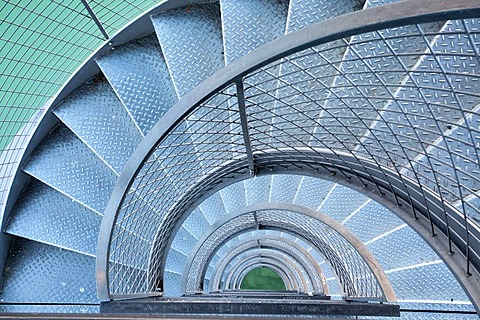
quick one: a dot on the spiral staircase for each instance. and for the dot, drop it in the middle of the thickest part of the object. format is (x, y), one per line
(369, 121)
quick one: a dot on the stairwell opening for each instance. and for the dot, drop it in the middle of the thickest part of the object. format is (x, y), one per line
(263, 278)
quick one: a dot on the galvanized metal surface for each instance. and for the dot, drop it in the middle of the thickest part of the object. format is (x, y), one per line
(96, 115)
(251, 23)
(37, 272)
(269, 56)
(309, 224)
(89, 180)
(47, 216)
(196, 50)
(145, 87)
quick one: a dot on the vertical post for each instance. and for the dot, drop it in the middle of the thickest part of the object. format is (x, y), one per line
(244, 122)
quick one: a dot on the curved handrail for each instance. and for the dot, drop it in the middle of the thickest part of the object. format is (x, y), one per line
(388, 16)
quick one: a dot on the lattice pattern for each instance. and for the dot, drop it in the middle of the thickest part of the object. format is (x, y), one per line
(194, 148)
(396, 108)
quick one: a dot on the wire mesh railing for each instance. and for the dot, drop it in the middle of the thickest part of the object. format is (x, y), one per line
(388, 100)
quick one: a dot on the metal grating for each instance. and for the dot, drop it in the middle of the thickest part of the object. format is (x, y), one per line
(380, 142)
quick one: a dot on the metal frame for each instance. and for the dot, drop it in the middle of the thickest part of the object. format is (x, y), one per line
(219, 268)
(368, 20)
(293, 279)
(329, 253)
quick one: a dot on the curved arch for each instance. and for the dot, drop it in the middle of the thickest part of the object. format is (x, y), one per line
(374, 280)
(268, 263)
(315, 273)
(289, 260)
(274, 258)
(374, 19)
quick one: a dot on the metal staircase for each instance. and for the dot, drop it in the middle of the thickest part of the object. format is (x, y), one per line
(147, 152)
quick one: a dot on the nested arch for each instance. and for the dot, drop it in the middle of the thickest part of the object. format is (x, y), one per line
(356, 268)
(393, 158)
(277, 242)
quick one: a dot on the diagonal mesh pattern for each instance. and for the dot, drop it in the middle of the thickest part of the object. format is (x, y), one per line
(352, 271)
(210, 131)
(393, 109)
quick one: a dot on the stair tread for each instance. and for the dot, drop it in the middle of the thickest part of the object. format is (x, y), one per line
(196, 51)
(184, 241)
(312, 192)
(380, 220)
(233, 197)
(139, 75)
(251, 23)
(401, 248)
(196, 223)
(257, 189)
(65, 163)
(37, 272)
(307, 12)
(51, 211)
(341, 202)
(435, 280)
(426, 73)
(96, 115)
(284, 188)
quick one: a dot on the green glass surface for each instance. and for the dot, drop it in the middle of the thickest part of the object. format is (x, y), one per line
(262, 278)
(42, 43)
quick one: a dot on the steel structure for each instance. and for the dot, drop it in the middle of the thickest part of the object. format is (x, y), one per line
(312, 268)
(155, 138)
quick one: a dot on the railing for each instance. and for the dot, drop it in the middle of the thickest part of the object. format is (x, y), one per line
(358, 272)
(343, 97)
(276, 242)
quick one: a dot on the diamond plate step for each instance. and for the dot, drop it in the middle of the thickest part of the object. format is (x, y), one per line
(357, 84)
(65, 163)
(36, 272)
(184, 241)
(284, 188)
(456, 156)
(380, 220)
(248, 24)
(213, 208)
(233, 197)
(172, 283)
(295, 73)
(435, 280)
(96, 115)
(45, 215)
(257, 189)
(175, 261)
(401, 248)
(341, 202)
(312, 192)
(196, 50)
(428, 71)
(139, 75)
(307, 12)
(196, 223)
